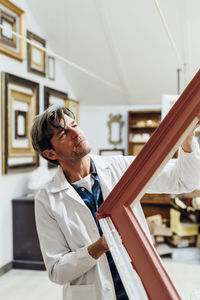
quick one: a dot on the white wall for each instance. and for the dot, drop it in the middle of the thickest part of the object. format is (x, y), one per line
(12, 186)
(93, 121)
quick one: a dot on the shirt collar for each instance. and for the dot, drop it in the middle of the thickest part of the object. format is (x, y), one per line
(59, 181)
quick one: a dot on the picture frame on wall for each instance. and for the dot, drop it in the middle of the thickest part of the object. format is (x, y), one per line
(74, 106)
(52, 96)
(20, 104)
(13, 19)
(51, 70)
(36, 56)
(109, 152)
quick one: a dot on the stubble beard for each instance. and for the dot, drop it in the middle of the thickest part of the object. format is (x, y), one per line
(84, 152)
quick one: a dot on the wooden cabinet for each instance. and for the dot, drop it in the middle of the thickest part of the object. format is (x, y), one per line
(141, 125)
(26, 248)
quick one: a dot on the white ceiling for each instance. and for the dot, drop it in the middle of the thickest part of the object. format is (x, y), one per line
(124, 43)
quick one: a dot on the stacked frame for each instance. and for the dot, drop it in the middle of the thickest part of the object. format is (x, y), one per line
(116, 211)
(20, 104)
(12, 18)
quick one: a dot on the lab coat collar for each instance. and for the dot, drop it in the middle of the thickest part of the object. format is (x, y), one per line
(59, 181)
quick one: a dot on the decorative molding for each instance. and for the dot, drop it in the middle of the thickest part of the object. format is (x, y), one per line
(118, 206)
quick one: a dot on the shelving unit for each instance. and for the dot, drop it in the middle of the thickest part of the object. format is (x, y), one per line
(141, 125)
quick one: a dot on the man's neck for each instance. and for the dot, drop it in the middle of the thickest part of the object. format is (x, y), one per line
(77, 170)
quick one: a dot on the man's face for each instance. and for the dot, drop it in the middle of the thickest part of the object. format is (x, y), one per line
(69, 141)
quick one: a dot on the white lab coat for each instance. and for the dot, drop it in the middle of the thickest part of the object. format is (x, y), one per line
(66, 226)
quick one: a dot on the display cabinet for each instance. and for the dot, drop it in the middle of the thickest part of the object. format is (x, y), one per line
(141, 125)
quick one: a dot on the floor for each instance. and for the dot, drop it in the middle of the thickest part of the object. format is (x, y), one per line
(183, 267)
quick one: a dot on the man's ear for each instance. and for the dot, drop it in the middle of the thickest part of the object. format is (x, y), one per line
(50, 154)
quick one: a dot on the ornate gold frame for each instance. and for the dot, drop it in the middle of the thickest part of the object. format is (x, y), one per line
(9, 151)
(22, 31)
(74, 106)
(115, 119)
(33, 67)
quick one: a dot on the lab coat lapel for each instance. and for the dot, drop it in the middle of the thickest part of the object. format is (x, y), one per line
(60, 183)
(104, 173)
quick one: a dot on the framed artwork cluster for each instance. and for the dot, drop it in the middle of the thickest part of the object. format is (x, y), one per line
(20, 97)
(20, 104)
(12, 18)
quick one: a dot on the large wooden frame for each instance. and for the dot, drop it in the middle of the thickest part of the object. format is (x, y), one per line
(20, 104)
(132, 186)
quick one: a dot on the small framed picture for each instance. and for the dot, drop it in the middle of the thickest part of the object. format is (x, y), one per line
(12, 18)
(109, 152)
(9, 23)
(36, 56)
(51, 67)
(20, 104)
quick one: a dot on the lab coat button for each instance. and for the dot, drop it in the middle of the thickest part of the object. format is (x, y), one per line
(108, 288)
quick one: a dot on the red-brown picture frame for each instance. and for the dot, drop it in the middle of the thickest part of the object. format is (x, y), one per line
(157, 151)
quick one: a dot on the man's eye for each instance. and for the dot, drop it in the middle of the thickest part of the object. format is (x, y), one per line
(64, 132)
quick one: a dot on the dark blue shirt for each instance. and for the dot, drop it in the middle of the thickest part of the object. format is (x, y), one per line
(93, 201)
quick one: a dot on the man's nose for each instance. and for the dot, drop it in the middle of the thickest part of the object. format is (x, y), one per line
(74, 131)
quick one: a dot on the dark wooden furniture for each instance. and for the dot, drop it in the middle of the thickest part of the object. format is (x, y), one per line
(26, 249)
(154, 204)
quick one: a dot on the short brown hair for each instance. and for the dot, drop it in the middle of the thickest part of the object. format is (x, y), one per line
(41, 132)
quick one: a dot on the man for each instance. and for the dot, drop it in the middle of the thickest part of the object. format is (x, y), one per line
(75, 251)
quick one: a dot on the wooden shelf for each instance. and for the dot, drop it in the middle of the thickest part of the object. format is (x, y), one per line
(141, 117)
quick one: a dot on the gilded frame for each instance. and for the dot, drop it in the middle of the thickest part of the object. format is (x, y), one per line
(34, 66)
(19, 96)
(13, 14)
(59, 97)
(118, 206)
(51, 67)
(74, 106)
(115, 120)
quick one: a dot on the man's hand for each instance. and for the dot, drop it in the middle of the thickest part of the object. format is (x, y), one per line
(98, 248)
(189, 144)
